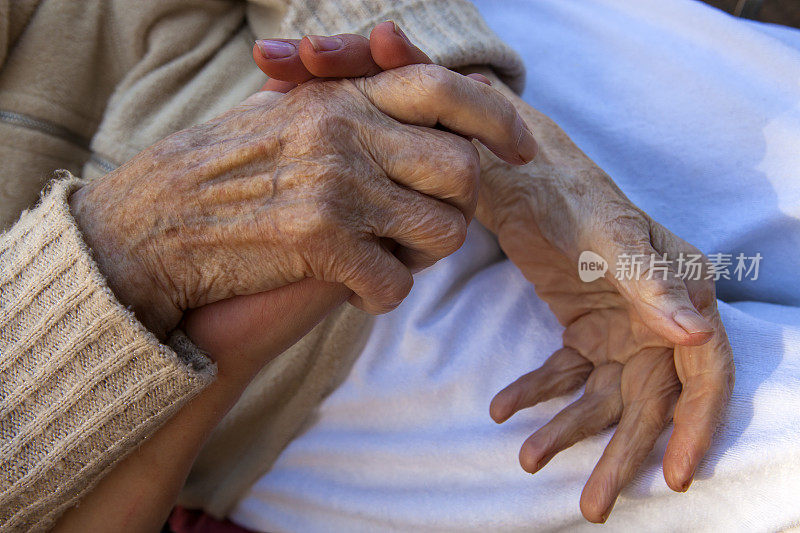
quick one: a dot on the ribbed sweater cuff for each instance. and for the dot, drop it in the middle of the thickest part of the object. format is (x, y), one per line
(451, 32)
(82, 382)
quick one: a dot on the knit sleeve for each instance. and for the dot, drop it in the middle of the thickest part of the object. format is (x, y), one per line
(82, 382)
(451, 32)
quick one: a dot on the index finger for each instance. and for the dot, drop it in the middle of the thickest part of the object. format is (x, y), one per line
(429, 95)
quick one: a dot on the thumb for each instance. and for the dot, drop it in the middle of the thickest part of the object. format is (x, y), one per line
(391, 48)
(649, 280)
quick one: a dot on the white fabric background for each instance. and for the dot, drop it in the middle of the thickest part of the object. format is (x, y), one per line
(697, 116)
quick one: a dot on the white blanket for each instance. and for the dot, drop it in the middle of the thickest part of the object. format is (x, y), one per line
(697, 116)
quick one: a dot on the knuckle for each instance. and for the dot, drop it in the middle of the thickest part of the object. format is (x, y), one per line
(311, 92)
(655, 414)
(465, 158)
(507, 115)
(318, 111)
(392, 291)
(455, 235)
(441, 229)
(627, 229)
(315, 125)
(327, 215)
(383, 283)
(438, 81)
(704, 295)
(465, 166)
(621, 223)
(311, 221)
(326, 187)
(657, 291)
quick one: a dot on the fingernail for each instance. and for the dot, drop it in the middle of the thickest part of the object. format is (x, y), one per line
(607, 513)
(688, 484)
(275, 49)
(325, 44)
(692, 322)
(480, 78)
(527, 146)
(399, 31)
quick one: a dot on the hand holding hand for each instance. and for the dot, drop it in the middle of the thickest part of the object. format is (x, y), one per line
(301, 185)
(648, 349)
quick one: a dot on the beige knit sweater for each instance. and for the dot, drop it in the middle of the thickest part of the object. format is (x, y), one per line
(84, 86)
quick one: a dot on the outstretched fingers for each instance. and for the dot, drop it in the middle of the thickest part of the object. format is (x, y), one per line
(598, 408)
(562, 373)
(707, 374)
(650, 388)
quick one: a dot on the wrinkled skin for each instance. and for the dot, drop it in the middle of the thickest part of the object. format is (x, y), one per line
(648, 350)
(311, 184)
(633, 375)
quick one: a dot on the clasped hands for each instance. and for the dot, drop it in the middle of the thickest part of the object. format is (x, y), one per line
(648, 350)
(352, 170)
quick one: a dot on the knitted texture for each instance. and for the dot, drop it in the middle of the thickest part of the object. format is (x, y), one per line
(81, 381)
(282, 398)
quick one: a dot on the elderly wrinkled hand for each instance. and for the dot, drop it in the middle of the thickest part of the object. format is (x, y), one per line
(649, 349)
(640, 370)
(310, 184)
